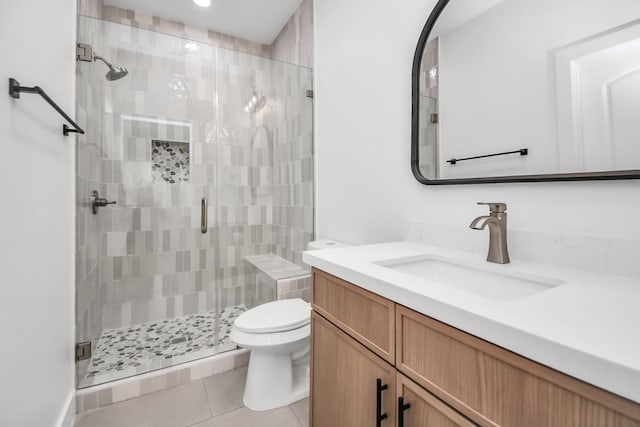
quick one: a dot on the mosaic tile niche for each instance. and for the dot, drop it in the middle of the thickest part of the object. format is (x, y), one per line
(169, 161)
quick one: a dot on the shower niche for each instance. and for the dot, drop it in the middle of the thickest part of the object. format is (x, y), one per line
(153, 288)
(169, 161)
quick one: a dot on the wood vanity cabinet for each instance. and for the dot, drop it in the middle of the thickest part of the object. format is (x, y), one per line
(446, 376)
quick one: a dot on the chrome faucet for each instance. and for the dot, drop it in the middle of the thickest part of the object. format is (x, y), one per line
(497, 222)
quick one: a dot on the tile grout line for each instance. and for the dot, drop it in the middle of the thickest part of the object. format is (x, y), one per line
(208, 402)
(206, 397)
(227, 411)
(294, 414)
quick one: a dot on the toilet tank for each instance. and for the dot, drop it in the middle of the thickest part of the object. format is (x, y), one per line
(326, 244)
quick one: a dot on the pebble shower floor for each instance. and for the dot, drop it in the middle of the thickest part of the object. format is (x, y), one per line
(153, 345)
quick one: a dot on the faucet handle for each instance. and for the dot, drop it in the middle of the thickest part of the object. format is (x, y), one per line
(495, 207)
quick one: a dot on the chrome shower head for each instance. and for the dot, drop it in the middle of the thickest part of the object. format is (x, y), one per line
(114, 72)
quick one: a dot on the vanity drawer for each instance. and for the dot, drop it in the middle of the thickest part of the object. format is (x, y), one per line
(365, 316)
(493, 386)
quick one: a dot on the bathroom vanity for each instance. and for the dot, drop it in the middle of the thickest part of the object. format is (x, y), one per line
(397, 347)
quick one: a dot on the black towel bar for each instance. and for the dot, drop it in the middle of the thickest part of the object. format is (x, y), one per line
(14, 92)
(522, 152)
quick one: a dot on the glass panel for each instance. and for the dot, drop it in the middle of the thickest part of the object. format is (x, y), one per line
(146, 294)
(428, 137)
(266, 204)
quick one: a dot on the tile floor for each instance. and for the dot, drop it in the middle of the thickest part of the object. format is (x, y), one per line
(212, 402)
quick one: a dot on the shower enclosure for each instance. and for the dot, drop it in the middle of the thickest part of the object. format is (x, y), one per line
(207, 154)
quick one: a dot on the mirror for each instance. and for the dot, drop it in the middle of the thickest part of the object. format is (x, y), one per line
(527, 90)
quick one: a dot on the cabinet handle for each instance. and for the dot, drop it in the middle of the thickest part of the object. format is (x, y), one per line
(379, 389)
(401, 408)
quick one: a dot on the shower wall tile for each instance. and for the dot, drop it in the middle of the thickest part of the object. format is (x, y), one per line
(295, 287)
(245, 175)
(91, 8)
(293, 200)
(137, 19)
(259, 288)
(269, 277)
(295, 44)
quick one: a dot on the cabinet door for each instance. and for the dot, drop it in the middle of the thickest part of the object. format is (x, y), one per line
(422, 409)
(344, 377)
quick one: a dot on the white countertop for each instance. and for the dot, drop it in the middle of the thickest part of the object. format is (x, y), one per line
(588, 328)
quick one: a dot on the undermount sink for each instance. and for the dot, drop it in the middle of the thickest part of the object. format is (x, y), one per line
(486, 281)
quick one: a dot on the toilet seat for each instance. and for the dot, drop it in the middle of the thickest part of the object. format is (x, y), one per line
(275, 316)
(253, 341)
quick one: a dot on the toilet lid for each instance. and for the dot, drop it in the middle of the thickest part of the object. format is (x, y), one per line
(276, 316)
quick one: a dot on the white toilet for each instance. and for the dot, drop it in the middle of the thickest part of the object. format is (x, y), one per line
(326, 244)
(277, 333)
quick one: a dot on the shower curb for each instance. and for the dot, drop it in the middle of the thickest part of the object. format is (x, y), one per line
(102, 395)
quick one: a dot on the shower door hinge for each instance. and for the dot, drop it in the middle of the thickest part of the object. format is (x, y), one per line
(84, 52)
(83, 351)
(309, 93)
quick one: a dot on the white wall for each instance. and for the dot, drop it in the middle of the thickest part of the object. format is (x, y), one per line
(37, 44)
(365, 188)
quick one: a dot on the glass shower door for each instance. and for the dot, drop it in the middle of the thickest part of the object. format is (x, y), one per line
(146, 293)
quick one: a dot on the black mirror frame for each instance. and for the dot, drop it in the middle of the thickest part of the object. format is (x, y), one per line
(415, 128)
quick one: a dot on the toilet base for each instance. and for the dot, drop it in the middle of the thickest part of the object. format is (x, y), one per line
(275, 380)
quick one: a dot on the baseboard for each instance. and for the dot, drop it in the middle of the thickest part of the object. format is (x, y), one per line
(68, 416)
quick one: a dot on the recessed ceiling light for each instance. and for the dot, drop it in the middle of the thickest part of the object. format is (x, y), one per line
(203, 3)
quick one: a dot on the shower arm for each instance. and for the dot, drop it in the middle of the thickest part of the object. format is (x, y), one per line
(102, 59)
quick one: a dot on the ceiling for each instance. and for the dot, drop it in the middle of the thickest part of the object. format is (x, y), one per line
(256, 20)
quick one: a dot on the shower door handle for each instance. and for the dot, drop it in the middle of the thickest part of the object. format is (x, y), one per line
(204, 213)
